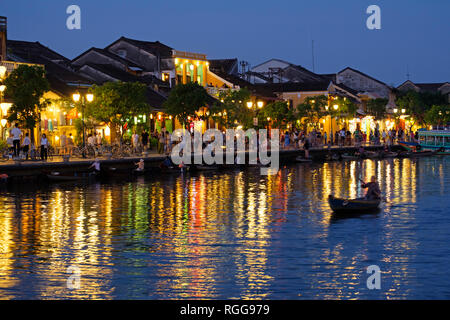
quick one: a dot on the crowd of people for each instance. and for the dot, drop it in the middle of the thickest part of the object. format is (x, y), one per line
(141, 142)
(316, 138)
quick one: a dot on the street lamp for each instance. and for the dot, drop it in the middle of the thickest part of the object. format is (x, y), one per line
(77, 97)
(255, 107)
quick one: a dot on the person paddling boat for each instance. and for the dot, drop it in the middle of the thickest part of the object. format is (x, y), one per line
(373, 189)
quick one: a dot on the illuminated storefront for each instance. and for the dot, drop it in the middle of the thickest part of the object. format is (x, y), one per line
(191, 67)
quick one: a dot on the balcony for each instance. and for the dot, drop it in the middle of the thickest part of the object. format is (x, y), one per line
(12, 65)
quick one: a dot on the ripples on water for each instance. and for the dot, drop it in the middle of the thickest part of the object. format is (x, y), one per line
(231, 235)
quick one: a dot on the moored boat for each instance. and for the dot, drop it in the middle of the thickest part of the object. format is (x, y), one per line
(58, 176)
(360, 205)
(302, 159)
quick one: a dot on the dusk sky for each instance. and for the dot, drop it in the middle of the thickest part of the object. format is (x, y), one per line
(413, 33)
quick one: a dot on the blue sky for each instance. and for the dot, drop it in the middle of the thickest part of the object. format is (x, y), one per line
(413, 33)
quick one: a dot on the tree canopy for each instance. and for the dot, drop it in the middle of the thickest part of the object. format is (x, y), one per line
(186, 99)
(116, 103)
(312, 110)
(26, 86)
(232, 109)
(279, 112)
(377, 108)
(417, 104)
(438, 115)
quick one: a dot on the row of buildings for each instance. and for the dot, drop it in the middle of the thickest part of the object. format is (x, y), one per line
(160, 67)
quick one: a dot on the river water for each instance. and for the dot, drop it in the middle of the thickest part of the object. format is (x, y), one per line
(231, 235)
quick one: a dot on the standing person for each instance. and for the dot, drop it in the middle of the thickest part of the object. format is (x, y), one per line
(99, 139)
(144, 137)
(63, 143)
(9, 142)
(16, 133)
(135, 141)
(168, 142)
(161, 140)
(44, 147)
(306, 146)
(70, 144)
(91, 141)
(325, 138)
(26, 145)
(287, 140)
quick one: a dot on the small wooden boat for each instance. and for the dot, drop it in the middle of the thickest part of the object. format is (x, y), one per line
(360, 205)
(370, 154)
(389, 154)
(333, 157)
(350, 157)
(173, 169)
(58, 176)
(411, 154)
(303, 159)
(111, 172)
(207, 167)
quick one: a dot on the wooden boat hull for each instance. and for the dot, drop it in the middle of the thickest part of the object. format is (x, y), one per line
(302, 159)
(173, 170)
(353, 205)
(416, 154)
(206, 168)
(56, 178)
(348, 157)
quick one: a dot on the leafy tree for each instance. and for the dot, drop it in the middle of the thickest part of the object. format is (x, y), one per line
(185, 99)
(26, 86)
(377, 108)
(279, 113)
(312, 110)
(116, 103)
(438, 115)
(417, 104)
(232, 109)
(346, 108)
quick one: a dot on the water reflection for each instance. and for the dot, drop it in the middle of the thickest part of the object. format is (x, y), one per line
(224, 235)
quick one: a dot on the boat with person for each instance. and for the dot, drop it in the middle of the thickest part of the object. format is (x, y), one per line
(359, 205)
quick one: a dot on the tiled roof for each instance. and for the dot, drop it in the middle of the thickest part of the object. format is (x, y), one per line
(222, 65)
(294, 86)
(124, 76)
(363, 74)
(427, 87)
(155, 48)
(28, 50)
(110, 55)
